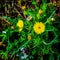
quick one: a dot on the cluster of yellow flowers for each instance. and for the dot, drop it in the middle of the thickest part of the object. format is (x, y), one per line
(38, 27)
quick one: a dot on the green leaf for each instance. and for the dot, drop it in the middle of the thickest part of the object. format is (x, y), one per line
(33, 2)
(44, 1)
(34, 52)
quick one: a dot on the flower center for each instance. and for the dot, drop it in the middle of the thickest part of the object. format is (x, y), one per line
(39, 27)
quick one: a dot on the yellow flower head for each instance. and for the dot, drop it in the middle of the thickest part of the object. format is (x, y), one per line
(39, 27)
(29, 37)
(23, 7)
(20, 25)
(40, 11)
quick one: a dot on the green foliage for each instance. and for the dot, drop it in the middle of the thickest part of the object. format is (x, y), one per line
(40, 44)
(44, 1)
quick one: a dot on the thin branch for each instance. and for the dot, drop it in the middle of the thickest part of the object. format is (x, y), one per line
(17, 11)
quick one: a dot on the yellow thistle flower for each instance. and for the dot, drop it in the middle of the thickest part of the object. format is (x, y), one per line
(20, 25)
(39, 27)
(29, 37)
(40, 11)
(23, 7)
